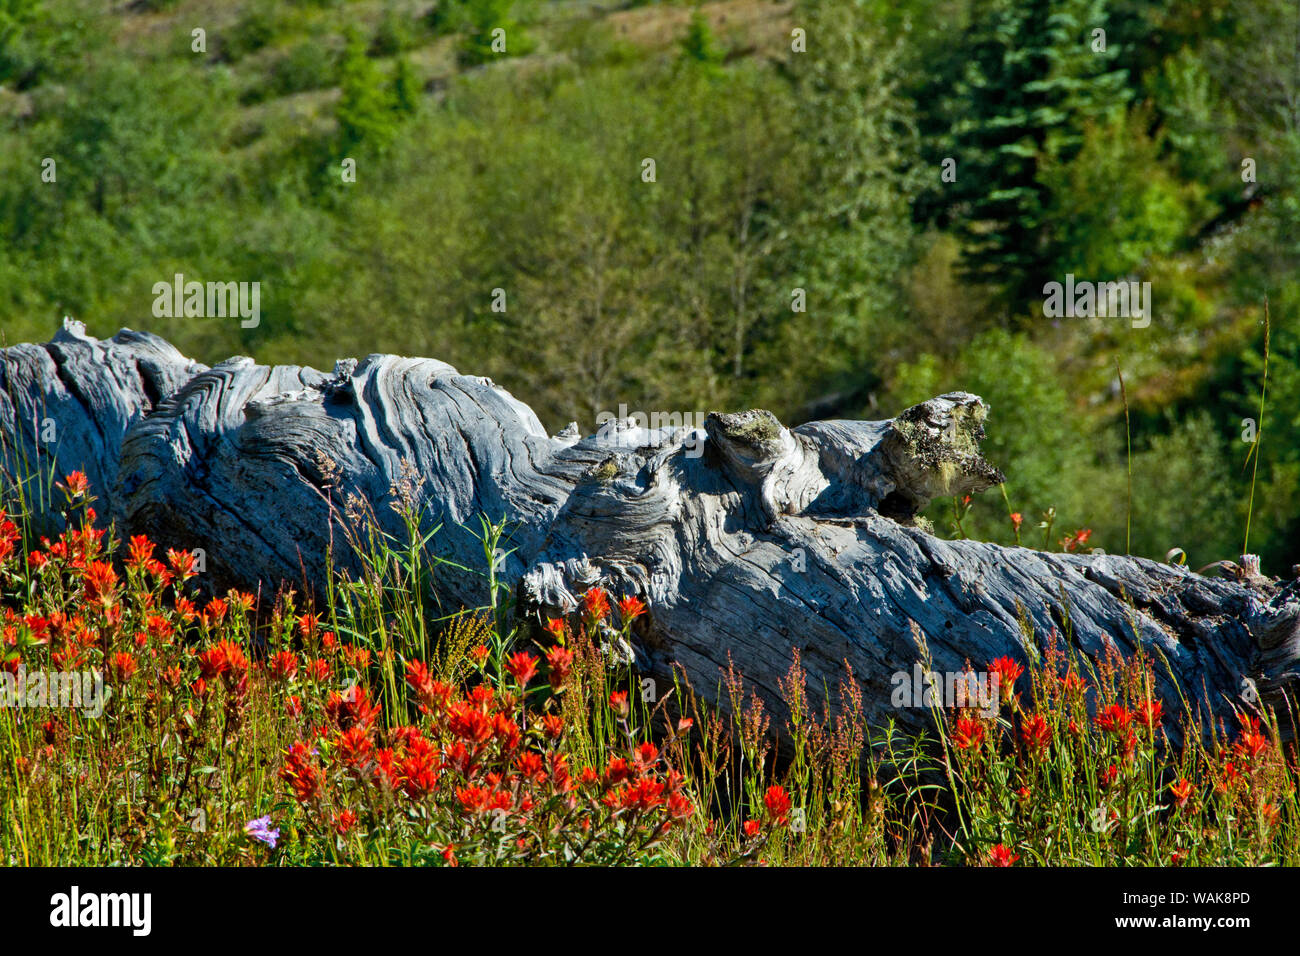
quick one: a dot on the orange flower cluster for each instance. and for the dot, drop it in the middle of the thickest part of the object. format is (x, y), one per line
(479, 763)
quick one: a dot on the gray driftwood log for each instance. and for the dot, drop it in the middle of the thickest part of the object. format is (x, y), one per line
(744, 541)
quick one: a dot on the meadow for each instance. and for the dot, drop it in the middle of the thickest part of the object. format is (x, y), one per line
(274, 730)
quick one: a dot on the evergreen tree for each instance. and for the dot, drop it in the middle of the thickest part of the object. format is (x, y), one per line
(365, 110)
(1034, 74)
(699, 45)
(406, 89)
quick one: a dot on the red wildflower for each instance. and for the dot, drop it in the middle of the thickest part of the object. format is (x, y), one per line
(317, 669)
(777, 802)
(182, 564)
(140, 552)
(1149, 713)
(645, 754)
(507, 732)
(630, 608)
(213, 662)
(1077, 540)
(1182, 791)
(469, 723)
(1252, 743)
(531, 767)
(522, 667)
(596, 603)
(553, 726)
(1035, 733)
(618, 702)
(351, 708)
(358, 658)
(241, 601)
(679, 806)
(1128, 747)
(968, 734)
(101, 580)
(1269, 813)
(559, 660)
(283, 665)
(354, 746)
(158, 627)
(752, 827)
(645, 794)
(76, 484)
(301, 773)
(122, 666)
(472, 799)
(1008, 671)
(1002, 856)
(1230, 776)
(616, 771)
(1114, 720)
(216, 610)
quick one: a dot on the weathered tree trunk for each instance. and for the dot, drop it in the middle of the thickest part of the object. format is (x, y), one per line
(746, 539)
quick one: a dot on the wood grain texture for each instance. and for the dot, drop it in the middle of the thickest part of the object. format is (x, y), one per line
(746, 538)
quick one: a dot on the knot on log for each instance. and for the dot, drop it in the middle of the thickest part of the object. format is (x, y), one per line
(1275, 626)
(932, 450)
(760, 454)
(849, 469)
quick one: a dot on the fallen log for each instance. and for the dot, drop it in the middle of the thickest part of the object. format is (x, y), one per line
(745, 539)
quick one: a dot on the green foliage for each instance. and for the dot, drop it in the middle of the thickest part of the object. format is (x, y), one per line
(1147, 212)
(395, 33)
(257, 27)
(811, 178)
(17, 17)
(699, 45)
(365, 110)
(1027, 80)
(489, 29)
(311, 64)
(1182, 496)
(851, 236)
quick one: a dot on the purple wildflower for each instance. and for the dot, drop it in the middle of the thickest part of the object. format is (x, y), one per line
(260, 829)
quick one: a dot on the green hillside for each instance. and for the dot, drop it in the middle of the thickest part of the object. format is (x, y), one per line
(829, 208)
